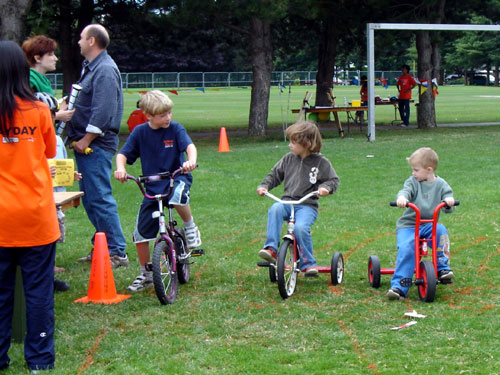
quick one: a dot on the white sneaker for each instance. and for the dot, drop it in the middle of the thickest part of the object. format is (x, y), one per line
(141, 282)
(192, 237)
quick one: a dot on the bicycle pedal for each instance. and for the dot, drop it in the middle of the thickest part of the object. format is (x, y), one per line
(264, 264)
(197, 252)
(312, 275)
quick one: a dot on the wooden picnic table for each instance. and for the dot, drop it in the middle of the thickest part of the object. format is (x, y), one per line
(67, 199)
(348, 109)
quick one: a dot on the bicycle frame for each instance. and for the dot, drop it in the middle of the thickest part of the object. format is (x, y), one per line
(166, 233)
(291, 221)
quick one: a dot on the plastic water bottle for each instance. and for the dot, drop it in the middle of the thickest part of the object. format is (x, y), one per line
(345, 101)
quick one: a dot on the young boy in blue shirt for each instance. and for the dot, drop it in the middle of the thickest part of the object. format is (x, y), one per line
(160, 143)
(303, 170)
(426, 191)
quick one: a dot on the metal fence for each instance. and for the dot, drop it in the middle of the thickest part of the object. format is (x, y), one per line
(230, 79)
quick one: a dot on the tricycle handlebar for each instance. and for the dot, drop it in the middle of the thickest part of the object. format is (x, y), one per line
(301, 200)
(394, 203)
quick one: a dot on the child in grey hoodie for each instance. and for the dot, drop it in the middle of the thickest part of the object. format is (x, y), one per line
(303, 170)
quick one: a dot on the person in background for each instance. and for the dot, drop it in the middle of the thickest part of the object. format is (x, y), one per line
(40, 52)
(28, 219)
(360, 115)
(137, 117)
(405, 84)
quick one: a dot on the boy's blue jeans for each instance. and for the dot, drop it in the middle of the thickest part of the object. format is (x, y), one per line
(98, 199)
(305, 217)
(405, 262)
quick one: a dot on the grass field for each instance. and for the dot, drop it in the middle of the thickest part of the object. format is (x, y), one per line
(230, 319)
(229, 107)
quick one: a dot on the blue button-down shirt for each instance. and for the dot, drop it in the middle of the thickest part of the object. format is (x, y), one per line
(99, 106)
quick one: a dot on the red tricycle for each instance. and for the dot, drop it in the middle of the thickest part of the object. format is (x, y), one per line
(426, 275)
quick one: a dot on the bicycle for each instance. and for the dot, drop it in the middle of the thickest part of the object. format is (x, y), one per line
(426, 274)
(171, 258)
(286, 271)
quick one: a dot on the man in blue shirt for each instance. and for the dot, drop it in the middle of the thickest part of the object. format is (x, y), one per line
(96, 124)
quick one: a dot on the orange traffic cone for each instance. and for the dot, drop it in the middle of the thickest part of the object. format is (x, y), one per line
(223, 143)
(101, 284)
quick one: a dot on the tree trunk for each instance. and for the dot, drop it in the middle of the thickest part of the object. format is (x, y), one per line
(262, 67)
(71, 59)
(436, 62)
(12, 19)
(326, 62)
(426, 114)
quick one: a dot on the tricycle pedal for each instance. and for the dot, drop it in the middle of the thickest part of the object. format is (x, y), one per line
(197, 252)
(264, 264)
(446, 281)
(406, 283)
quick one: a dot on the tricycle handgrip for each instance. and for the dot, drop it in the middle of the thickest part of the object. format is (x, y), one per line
(393, 204)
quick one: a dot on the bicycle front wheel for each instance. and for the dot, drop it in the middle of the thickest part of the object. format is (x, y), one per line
(287, 269)
(164, 276)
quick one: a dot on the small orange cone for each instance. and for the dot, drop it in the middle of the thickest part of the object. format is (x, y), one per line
(101, 284)
(223, 143)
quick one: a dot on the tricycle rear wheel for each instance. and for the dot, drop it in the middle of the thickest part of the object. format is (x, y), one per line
(374, 271)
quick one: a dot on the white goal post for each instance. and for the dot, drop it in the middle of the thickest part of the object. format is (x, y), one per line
(370, 37)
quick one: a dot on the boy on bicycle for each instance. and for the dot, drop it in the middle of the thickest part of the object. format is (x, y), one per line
(160, 143)
(426, 191)
(303, 170)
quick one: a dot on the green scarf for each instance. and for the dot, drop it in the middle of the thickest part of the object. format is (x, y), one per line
(40, 83)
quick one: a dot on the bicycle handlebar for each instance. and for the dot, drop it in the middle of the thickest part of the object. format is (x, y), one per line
(301, 200)
(155, 177)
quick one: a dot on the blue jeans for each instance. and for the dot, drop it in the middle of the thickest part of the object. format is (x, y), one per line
(405, 262)
(37, 268)
(98, 199)
(404, 110)
(305, 217)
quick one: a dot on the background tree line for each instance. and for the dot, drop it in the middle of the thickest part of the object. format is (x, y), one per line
(262, 36)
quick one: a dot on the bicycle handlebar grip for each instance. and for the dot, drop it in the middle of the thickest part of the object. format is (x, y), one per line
(457, 203)
(393, 204)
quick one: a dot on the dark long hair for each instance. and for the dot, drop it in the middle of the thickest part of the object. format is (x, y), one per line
(14, 78)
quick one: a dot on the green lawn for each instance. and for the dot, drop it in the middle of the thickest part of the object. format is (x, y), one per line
(229, 107)
(230, 319)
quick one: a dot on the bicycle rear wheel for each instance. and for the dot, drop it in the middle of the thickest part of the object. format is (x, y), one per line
(164, 275)
(287, 269)
(183, 263)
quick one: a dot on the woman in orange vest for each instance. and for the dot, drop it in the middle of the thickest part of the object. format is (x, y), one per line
(28, 220)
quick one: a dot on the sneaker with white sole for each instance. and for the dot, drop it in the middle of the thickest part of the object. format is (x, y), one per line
(268, 255)
(118, 261)
(395, 293)
(86, 258)
(141, 282)
(445, 274)
(193, 238)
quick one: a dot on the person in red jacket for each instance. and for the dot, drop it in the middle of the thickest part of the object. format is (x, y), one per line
(405, 84)
(137, 117)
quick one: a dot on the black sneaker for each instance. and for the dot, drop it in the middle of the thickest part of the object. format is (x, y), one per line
(60, 286)
(395, 293)
(445, 275)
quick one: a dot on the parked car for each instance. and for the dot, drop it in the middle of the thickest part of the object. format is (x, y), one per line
(480, 79)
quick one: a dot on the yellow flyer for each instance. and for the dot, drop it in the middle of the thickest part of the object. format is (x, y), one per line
(65, 171)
